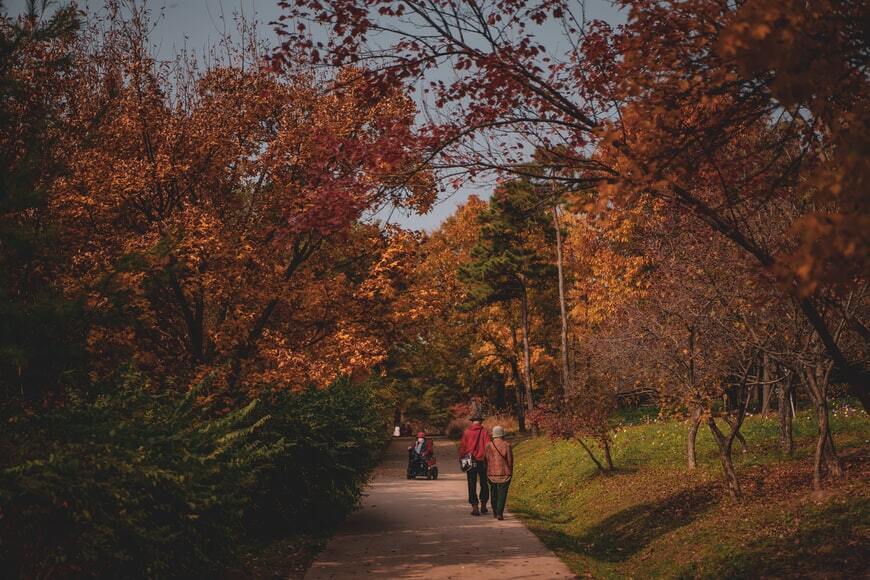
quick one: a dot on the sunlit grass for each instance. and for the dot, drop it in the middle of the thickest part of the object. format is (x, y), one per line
(654, 518)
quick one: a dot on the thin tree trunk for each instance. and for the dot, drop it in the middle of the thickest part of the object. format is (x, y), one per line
(825, 459)
(527, 357)
(563, 310)
(786, 433)
(737, 435)
(766, 386)
(605, 444)
(725, 444)
(597, 463)
(518, 380)
(694, 424)
(521, 411)
(695, 421)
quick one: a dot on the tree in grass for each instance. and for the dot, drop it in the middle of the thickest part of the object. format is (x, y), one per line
(586, 409)
(509, 261)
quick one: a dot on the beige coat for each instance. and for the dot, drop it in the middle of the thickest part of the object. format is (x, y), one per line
(499, 461)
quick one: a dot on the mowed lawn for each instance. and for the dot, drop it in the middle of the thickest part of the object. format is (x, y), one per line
(654, 518)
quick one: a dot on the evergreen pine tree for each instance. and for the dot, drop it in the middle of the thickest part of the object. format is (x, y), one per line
(506, 265)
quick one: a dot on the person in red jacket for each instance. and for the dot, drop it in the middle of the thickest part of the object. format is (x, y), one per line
(474, 441)
(423, 446)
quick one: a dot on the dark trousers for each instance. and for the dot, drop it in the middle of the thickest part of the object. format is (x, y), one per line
(499, 496)
(474, 474)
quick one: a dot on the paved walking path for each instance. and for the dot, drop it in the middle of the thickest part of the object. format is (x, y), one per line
(422, 529)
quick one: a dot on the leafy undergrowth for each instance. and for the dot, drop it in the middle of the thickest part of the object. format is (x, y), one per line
(287, 558)
(653, 518)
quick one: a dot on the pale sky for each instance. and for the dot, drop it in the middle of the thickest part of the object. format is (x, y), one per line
(198, 24)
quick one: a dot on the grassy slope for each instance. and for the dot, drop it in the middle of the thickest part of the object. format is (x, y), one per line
(655, 519)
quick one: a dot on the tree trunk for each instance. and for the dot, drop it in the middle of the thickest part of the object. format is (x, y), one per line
(765, 387)
(594, 459)
(725, 445)
(695, 420)
(694, 424)
(527, 357)
(605, 444)
(518, 380)
(737, 435)
(563, 310)
(786, 433)
(825, 460)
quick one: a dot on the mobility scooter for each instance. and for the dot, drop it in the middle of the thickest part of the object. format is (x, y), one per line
(421, 458)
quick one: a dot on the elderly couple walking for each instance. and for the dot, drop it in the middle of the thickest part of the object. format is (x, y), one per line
(489, 463)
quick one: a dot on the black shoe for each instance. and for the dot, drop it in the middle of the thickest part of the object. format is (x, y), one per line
(483, 509)
(499, 517)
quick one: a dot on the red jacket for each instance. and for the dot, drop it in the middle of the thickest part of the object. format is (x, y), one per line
(474, 441)
(428, 447)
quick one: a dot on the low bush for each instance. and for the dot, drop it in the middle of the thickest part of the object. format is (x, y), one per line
(332, 439)
(509, 422)
(137, 485)
(456, 427)
(129, 485)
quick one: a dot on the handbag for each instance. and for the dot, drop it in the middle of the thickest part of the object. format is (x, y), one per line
(467, 461)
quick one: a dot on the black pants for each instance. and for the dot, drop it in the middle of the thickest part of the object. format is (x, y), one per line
(476, 474)
(499, 496)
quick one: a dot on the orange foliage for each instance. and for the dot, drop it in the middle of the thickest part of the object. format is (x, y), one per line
(194, 206)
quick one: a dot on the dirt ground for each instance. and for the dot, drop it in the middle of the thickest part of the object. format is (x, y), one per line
(423, 529)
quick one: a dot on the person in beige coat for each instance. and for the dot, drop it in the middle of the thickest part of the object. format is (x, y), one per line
(499, 470)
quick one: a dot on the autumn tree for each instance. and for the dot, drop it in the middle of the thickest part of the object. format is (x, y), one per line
(506, 265)
(193, 200)
(743, 122)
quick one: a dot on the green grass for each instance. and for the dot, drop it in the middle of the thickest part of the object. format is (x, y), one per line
(653, 518)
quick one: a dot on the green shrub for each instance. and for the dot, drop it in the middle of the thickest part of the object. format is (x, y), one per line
(142, 485)
(131, 485)
(332, 438)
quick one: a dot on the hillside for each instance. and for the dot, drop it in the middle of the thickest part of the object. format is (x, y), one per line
(653, 518)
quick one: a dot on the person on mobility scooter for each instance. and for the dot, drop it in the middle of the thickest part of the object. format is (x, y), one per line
(421, 458)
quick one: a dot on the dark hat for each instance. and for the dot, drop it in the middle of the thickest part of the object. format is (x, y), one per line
(476, 415)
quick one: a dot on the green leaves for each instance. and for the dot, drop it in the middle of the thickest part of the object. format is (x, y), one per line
(511, 253)
(135, 485)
